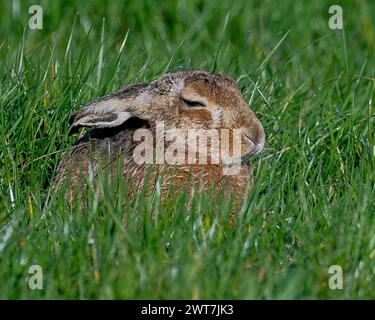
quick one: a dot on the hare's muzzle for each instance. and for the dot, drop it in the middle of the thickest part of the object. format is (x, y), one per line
(254, 137)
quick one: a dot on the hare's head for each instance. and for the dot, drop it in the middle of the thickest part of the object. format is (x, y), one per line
(182, 100)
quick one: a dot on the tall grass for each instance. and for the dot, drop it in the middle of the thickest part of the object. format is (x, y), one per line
(313, 200)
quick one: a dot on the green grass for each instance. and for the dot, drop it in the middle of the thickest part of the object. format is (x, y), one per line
(313, 200)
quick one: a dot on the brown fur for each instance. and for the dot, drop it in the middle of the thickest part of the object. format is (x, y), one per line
(116, 117)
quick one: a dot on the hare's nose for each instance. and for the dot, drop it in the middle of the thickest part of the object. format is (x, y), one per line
(255, 132)
(256, 145)
(258, 148)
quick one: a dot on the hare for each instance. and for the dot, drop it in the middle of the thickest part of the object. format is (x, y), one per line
(163, 113)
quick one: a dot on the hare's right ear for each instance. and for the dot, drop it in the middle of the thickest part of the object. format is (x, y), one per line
(113, 110)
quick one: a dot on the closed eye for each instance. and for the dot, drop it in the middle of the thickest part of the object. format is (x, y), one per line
(193, 104)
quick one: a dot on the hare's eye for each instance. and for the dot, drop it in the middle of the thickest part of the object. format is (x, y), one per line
(193, 104)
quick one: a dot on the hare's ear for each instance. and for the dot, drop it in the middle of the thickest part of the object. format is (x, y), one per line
(113, 110)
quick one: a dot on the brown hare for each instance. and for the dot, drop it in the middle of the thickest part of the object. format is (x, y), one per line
(168, 132)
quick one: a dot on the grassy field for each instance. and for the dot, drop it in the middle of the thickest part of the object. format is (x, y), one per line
(313, 200)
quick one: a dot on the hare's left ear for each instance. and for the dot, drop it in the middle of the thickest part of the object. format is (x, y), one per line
(113, 110)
